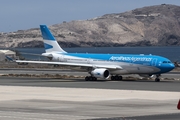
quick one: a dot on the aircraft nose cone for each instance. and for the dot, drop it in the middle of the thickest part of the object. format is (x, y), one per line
(167, 67)
(171, 67)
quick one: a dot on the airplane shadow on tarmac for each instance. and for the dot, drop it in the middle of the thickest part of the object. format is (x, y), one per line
(99, 80)
(39, 80)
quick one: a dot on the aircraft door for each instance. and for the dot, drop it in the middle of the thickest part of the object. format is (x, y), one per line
(154, 62)
(89, 61)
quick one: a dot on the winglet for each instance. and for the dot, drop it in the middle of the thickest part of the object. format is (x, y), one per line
(50, 43)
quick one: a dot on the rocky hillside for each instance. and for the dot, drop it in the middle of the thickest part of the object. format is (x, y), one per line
(148, 26)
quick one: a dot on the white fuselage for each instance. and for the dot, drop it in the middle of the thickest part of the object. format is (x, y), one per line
(127, 68)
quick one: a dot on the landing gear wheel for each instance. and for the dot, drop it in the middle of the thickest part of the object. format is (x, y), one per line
(87, 78)
(90, 78)
(120, 78)
(112, 78)
(94, 78)
(116, 77)
(157, 79)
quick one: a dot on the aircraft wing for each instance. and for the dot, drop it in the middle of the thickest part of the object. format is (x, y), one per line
(73, 64)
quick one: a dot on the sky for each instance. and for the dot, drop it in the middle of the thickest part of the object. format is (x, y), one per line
(25, 14)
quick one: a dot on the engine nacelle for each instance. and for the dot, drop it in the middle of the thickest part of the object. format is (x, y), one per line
(101, 73)
(48, 55)
(146, 75)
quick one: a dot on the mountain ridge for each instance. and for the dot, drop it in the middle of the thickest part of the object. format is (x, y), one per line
(157, 25)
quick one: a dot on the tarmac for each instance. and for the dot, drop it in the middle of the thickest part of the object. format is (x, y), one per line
(25, 98)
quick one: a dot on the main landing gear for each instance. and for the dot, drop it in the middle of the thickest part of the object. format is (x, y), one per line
(90, 78)
(157, 79)
(116, 77)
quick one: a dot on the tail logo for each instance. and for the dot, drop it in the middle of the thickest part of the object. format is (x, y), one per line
(47, 46)
(50, 44)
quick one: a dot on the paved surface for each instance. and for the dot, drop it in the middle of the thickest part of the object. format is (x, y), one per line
(147, 85)
(170, 75)
(54, 103)
(76, 99)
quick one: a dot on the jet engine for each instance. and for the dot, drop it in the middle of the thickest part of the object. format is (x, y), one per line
(101, 73)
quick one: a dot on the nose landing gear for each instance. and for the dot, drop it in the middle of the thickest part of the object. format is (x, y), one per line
(157, 79)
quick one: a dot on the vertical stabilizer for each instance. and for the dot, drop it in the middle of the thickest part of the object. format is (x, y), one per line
(50, 43)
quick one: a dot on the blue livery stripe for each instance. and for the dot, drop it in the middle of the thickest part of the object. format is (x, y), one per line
(47, 46)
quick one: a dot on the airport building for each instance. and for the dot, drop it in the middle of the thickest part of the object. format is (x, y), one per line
(9, 53)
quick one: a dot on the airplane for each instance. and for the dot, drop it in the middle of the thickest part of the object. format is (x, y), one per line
(103, 66)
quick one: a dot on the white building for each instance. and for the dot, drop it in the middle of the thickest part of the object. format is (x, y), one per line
(8, 53)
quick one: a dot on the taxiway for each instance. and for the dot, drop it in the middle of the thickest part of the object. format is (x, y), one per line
(73, 98)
